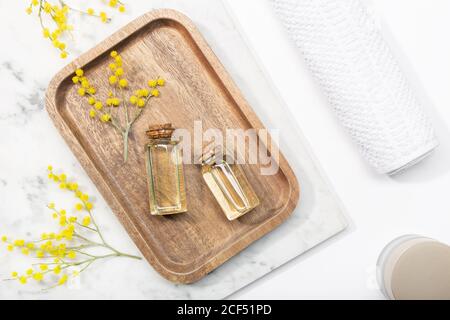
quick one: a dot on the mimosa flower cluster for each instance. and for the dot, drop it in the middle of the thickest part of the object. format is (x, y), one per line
(57, 12)
(64, 253)
(122, 107)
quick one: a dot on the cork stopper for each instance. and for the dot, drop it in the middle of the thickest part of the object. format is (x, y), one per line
(161, 131)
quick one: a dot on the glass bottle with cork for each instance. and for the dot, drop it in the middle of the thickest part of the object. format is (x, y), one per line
(165, 173)
(228, 183)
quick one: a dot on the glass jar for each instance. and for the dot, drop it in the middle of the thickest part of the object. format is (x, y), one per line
(228, 183)
(165, 174)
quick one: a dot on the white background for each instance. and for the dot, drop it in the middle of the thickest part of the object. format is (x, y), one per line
(381, 208)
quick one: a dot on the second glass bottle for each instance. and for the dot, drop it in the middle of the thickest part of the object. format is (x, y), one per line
(228, 183)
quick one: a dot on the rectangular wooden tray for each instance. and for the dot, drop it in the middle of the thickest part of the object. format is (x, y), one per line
(186, 247)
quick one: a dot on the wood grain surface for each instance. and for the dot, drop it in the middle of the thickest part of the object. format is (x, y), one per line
(183, 248)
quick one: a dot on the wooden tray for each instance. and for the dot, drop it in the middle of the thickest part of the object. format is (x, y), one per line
(186, 247)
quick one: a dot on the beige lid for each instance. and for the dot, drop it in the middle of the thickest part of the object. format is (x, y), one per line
(422, 272)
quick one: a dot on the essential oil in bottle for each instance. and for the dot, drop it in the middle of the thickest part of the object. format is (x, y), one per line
(228, 183)
(166, 182)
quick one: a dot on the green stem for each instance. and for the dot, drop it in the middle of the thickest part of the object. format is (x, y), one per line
(85, 254)
(94, 223)
(90, 242)
(138, 114)
(85, 227)
(125, 136)
(125, 255)
(87, 265)
(106, 246)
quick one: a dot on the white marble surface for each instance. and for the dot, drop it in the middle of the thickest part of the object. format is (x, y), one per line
(29, 142)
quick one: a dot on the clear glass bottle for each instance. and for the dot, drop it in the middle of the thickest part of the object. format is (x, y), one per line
(166, 182)
(228, 184)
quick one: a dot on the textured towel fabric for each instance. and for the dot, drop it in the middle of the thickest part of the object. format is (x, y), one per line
(346, 52)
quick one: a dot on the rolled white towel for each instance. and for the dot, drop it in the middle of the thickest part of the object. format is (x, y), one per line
(354, 65)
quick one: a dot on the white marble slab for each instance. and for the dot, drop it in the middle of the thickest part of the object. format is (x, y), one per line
(29, 142)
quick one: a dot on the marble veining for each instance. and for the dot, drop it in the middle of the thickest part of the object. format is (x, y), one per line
(29, 142)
